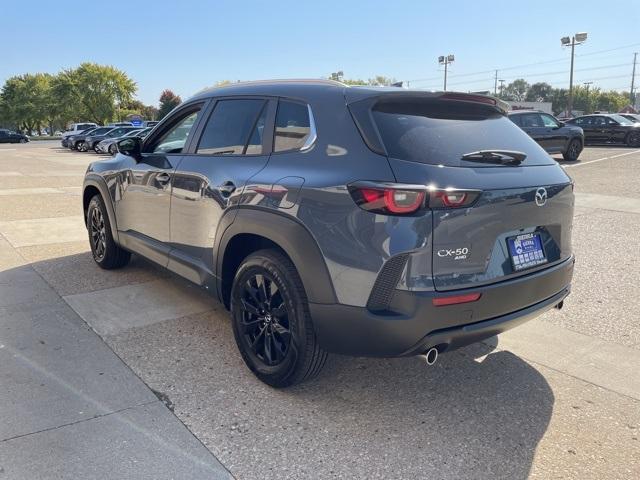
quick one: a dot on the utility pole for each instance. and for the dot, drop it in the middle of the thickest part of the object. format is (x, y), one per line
(445, 60)
(501, 86)
(577, 39)
(495, 84)
(587, 84)
(632, 95)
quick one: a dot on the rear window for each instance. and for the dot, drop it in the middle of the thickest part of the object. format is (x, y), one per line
(440, 132)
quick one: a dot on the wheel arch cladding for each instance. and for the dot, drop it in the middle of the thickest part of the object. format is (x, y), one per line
(95, 185)
(255, 229)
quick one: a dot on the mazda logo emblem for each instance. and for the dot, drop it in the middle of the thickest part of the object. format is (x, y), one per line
(541, 196)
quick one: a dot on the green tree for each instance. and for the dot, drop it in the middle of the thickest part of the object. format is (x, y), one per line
(381, 81)
(95, 92)
(353, 81)
(516, 90)
(168, 101)
(539, 92)
(611, 101)
(26, 101)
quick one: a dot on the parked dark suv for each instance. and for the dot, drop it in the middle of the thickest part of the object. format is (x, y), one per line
(327, 218)
(550, 133)
(608, 128)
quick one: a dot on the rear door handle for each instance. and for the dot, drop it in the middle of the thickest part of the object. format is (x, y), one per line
(227, 188)
(163, 177)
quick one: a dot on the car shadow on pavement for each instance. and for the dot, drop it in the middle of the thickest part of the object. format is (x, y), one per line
(477, 413)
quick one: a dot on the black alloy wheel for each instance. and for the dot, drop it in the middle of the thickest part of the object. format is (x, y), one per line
(271, 320)
(106, 252)
(97, 231)
(573, 150)
(265, 320)
(633, 139)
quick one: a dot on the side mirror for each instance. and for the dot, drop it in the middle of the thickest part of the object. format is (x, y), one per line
(130, 146)
(560, 124)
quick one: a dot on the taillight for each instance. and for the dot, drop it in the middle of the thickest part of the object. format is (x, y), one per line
(387, 199)
(402, 199)
(450, 198)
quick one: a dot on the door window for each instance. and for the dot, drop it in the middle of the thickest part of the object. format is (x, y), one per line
(234, 128)
(293, 126)
(530, 120)
(174, 139)
(549, 121)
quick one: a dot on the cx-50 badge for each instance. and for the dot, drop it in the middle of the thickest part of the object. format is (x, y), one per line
(456, 253)
(541, 196)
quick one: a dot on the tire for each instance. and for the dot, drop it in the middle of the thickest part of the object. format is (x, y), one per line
(106, 253)
(113, 149)
(81, 147)
(285, 350)
(573, 150)
(633, 139)
(23, 140)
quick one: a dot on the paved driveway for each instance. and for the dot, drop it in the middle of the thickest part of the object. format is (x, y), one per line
(556, 398)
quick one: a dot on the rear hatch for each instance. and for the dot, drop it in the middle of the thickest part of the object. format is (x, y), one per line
(503, 208)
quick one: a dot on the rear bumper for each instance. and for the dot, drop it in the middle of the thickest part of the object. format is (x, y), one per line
(414, 324)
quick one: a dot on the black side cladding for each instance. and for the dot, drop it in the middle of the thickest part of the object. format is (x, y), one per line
(385, 284)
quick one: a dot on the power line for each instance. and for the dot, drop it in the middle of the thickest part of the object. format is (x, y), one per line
(533, 64)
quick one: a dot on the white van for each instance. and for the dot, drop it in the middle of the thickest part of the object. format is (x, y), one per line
(74, 128)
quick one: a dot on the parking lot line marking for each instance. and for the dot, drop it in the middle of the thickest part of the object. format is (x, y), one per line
(7, 192)
(601, 159)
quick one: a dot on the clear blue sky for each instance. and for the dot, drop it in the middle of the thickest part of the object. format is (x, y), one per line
(188, 45)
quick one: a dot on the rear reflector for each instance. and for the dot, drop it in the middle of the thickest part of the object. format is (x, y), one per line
(455, 299)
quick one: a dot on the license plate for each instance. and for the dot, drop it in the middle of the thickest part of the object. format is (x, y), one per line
(526, 251)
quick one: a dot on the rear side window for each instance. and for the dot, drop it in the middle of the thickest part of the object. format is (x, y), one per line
(293, 126)
(230, 129)
(581, 121)
(440, 132)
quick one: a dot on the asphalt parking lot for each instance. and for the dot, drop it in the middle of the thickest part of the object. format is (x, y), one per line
(110, 373)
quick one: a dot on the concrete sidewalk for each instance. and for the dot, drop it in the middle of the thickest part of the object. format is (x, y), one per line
(69, 407)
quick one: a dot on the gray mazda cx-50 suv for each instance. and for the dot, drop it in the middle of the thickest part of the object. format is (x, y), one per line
(327, 218)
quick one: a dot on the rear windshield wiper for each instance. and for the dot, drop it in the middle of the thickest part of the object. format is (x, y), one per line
(501, 157)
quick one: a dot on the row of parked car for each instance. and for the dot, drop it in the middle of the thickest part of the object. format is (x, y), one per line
(103, 139)
(568, 138)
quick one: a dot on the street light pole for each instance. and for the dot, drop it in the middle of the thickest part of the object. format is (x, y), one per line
(570, 105)
(445, 60)
(632, 95)
(577, 39)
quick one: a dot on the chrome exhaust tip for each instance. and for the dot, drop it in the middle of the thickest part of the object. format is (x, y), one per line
(431, 356)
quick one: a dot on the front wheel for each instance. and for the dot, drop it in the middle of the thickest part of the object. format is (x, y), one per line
(106, 253)
(573, 150)
(23, 140)
(113, 149)
(633, 139)
(271, 321)
(81, 146)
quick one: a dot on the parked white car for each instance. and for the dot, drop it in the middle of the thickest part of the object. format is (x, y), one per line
(75, 128)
